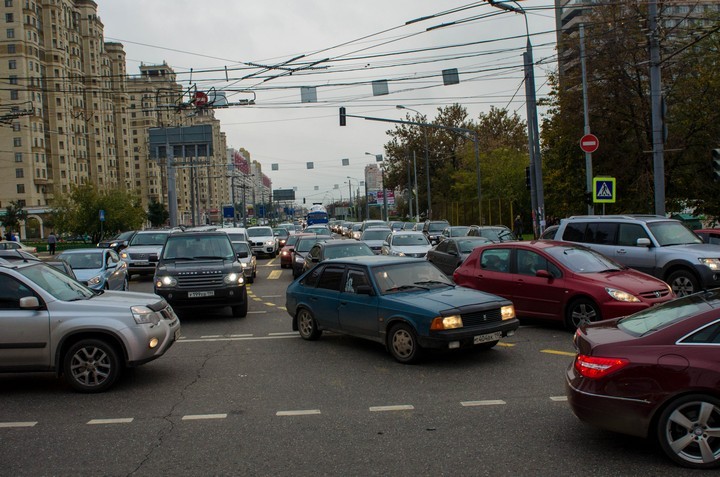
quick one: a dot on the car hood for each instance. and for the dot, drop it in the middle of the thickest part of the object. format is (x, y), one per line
(702, 250)
(144, 249)
(85, 274)
(261, 238)
(627, 280)
(198, 266)
(445, 298)
(374, 243)
(412, 248)
(118, 300)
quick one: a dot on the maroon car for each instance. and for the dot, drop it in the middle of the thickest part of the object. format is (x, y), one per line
(560, 281)
(286, 251)
(655, 374)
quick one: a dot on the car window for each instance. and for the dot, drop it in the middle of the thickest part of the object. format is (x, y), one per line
(467, 246)
(583, 260)
(451, 247)
(672, 233)
(601, 233)
(660, 316)
(241, 247)
(709, 334)
(314, 251)
(259, 232)
(443, 246)
(83, 261)
(354, 279)
(237, 237)
(149, 239)
(56, 283)
(574, 232)
(331, 278)
(113, 258)
(350, 250)
(628, 234)
(495, 260)
(11, 290)
(407, 240)
(529, 262)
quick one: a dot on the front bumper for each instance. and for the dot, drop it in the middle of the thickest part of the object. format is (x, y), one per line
(465, 337)
(139, 351)
(230, 296)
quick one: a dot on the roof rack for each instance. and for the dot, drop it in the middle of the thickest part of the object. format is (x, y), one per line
(623, 216)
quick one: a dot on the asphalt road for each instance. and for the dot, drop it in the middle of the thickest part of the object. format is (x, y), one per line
(248, 397)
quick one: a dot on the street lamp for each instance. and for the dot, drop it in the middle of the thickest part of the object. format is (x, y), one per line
(378, 158)
(357, 199)
(427, 160)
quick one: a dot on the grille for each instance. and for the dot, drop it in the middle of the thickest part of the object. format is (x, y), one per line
(480, 318)
(655, 294)
(194, 281)
(143, 256)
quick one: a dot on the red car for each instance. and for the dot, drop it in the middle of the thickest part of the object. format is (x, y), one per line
(655, 374)
(554, 280)
(286, 251)
(709, 235)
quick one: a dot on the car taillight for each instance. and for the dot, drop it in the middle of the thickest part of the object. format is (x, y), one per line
(594, 367)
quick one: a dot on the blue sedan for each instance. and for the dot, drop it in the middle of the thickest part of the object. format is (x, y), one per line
(406, 304)
(98, 268)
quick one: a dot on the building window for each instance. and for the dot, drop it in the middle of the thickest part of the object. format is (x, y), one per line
(9, 18)
(17, 142)
(16, 126)
(12, 64)
(11, 48)
(19, 173)
(21, 202)
(14, 94)
(8, 3)
(18, 157)
(20, 189)
(13, 79)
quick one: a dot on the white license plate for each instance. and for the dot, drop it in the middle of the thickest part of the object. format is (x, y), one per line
(141, 264)
(488, 337)
(200, 294)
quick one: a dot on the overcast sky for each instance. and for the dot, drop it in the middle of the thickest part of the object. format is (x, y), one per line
(347, 44)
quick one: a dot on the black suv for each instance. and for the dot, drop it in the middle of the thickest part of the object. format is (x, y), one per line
(201, 270)
(433, 230)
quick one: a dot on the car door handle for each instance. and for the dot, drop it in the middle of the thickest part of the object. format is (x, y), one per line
(621, 251)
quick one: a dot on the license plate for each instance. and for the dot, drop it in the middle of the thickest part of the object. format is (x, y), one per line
(488, 337)
(200, 294)
(141, 264)
(177, 334)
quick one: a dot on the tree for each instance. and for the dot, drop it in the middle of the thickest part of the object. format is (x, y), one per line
(157, 214)
(79, 211)
(14, 214)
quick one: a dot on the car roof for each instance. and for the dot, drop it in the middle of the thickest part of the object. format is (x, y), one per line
(630, 217)
(377, 260)
(83, 250)
(200, 233)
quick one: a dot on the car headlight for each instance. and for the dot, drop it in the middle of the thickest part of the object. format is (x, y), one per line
(620, 295)
(284, 253)
(398, 254)
(507, 312)
(144, 315)
(124, 255)
(244, 264)
(270, 242)
(113, 244)
(234, 279)
(446, 322)
(165, 282)
(96, 280)
(299, 259)
(712, 263)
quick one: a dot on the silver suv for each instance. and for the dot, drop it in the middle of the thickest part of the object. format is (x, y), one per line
(143, 250)
(51, 322)
(653, 244)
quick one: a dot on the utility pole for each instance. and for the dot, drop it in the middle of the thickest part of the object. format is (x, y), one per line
(656, 107)
(588, 155)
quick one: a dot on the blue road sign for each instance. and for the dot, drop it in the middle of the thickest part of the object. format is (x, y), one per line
(228, 211)
(102, 215)
(604, 190)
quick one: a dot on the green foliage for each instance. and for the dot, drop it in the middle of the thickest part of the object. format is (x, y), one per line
(14, 214)
(157, 214)
(79, 211)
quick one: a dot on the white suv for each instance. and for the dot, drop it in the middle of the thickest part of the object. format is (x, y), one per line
(262, 240)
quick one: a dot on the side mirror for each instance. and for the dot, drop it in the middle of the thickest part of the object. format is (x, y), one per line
(243, 255)
(643, 242)
(364, 290)
(544, 274)
(29, 303)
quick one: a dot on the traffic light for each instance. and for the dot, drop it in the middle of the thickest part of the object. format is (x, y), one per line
(716, 164)
(303, 200)
(528, 182)
(342, 116)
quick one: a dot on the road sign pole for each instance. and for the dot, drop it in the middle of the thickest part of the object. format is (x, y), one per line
(588, 155)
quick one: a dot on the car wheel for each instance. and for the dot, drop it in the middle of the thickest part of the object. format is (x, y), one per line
(683, 282)
(403, 344)
(307, 326)
(240, 311)
(581, 311)
(688, 431)
(91, 366)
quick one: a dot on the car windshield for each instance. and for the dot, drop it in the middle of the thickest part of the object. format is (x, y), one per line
(83, 261)
(467, 245)
(356, 227)
(260, 232)
(237, 237)
(281, 232)
(409, 240)
(305, 244)
(123, 235)
(318, 230)
(193, 247)
(672, 233)
(459, 231)
(291, 240)
(56, 283)
(437, 226)
(375, 234)
(149, 239)
(409, 276)
(497, 234)
(241, 247)
(658, 317)
(356, 249)
(581, 260)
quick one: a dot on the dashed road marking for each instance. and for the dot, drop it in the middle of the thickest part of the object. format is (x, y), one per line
(286, 333)
(17, 424)
(199, 417)
(306, 412)
(554, 351)
(241, 336)
(274, 275)
(558, 398)
(256, 299)
(506, 345)
(211, 336)
(205, 340)
(122, 420)
(257, 312)
(489, 402)
(273, 296)
(399, 407)
(269, 304)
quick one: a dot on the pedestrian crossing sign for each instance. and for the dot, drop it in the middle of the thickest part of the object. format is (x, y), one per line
(604, 190)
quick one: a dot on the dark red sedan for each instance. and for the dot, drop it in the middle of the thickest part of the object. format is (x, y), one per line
(554, 280)
(286, 251)
(655, 374)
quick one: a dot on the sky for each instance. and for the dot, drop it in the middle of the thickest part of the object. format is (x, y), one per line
(339, 48)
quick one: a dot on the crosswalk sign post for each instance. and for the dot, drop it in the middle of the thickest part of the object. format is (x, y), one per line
(604, 191)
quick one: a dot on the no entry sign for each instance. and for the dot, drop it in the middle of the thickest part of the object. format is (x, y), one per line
(589, 143)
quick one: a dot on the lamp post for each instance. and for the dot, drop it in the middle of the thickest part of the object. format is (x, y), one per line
(427, 161)
(536, 179)
(357, 199)
(379, 158)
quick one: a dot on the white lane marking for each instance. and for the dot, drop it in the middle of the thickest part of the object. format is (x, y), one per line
(306, 412)
(400, 407)
(272, 296)
(197, 417)
(240, 336)
(17, 424)
(283, 334)
(558, 398)
(489, 402)
(274, 275)
(211, 336)
(122, 420)
(257, 312)
(203, 340)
